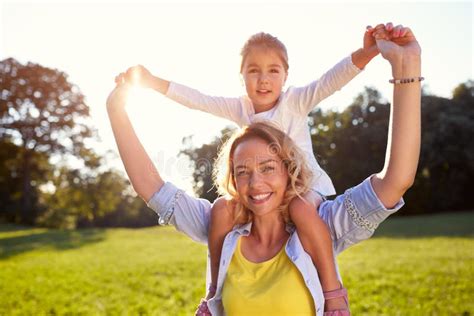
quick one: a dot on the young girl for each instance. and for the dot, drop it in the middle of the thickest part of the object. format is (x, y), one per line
(264, 69)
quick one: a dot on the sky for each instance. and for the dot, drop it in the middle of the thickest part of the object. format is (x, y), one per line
(198, 44)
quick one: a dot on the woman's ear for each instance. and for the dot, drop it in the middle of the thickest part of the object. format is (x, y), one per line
(242, 81)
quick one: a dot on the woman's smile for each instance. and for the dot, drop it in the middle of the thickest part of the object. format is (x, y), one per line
(260, 198)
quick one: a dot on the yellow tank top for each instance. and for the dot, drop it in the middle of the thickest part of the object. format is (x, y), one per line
(273, 287)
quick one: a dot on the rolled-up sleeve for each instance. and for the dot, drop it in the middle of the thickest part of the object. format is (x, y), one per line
(188, 214)
(354, 215)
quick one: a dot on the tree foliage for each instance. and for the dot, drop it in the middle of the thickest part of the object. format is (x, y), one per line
(202, 159)
(350, 145)
(44, 116)
(11, 178)
(86, 200)
(42, 112)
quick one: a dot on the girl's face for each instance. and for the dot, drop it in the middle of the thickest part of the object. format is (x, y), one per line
(264, 75)
(260, 176)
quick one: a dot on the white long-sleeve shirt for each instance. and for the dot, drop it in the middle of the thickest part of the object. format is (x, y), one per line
(289, 114)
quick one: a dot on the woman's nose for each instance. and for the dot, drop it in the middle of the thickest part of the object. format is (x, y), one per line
(255, 179)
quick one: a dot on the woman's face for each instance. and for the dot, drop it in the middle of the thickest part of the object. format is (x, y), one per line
(260, 176)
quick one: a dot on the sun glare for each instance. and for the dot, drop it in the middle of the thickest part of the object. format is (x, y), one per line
(137, 96)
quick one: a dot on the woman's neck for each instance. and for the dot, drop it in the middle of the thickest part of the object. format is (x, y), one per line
(268, 229)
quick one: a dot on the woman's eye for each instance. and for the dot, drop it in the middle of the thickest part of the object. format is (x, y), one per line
(275, 71)
(252, 71)
(268, 169)
(241, 173)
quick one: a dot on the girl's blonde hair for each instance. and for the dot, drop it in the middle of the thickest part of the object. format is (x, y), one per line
(299, 174)
(268, 41)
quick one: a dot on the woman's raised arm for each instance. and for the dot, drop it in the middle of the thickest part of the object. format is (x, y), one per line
(140, 169)
(401, 49)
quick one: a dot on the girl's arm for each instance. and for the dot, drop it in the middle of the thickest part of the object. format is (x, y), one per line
(307, 97)
(304, 99)
(403, 145)
(364, 55)
(227, 108)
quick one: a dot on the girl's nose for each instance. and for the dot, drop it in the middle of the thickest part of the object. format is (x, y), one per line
(263, 77)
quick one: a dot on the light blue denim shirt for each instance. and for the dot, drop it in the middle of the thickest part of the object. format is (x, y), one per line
(351, 218)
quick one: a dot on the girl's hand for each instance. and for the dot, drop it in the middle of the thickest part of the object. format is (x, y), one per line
(369, 44)
(118, 97)
(139, 75)
(397, 44)
(369, 40)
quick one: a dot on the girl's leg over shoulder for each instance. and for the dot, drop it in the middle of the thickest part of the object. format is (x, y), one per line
(221, 224)
(316, 240)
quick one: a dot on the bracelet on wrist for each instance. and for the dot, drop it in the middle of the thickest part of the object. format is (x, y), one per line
(406, 80)
(212, 288)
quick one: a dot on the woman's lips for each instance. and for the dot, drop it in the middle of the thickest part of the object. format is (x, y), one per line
(260, 198)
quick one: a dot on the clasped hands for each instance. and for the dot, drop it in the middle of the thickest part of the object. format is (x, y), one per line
(395, 43)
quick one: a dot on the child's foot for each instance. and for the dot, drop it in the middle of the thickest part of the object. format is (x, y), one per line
(337, 303)
(203, 309)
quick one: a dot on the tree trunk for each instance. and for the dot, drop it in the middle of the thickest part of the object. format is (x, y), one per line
(26, 203)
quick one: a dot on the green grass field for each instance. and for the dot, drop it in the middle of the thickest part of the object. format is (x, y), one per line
(412, 266)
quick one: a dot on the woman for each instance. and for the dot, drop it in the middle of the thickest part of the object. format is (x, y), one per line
(351, 217)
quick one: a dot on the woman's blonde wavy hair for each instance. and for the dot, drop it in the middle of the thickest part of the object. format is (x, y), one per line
(299, 174)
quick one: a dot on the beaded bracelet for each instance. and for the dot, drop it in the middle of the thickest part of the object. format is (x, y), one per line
(406, 80)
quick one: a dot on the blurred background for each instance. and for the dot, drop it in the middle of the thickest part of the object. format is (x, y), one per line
(59, 167)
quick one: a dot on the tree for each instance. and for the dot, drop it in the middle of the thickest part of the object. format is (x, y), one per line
(351, 144)
(464, 93)
(43, 113)
(81, 198)
(11, 175)
(203, 158)
(446, 167)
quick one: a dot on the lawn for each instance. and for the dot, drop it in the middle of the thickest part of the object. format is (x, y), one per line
(412, 266)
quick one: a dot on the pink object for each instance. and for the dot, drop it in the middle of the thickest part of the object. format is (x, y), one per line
(342, 292)
(202, 309)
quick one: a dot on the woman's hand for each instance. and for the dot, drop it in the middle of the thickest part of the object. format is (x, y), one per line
(397, 44)
(118, 97)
